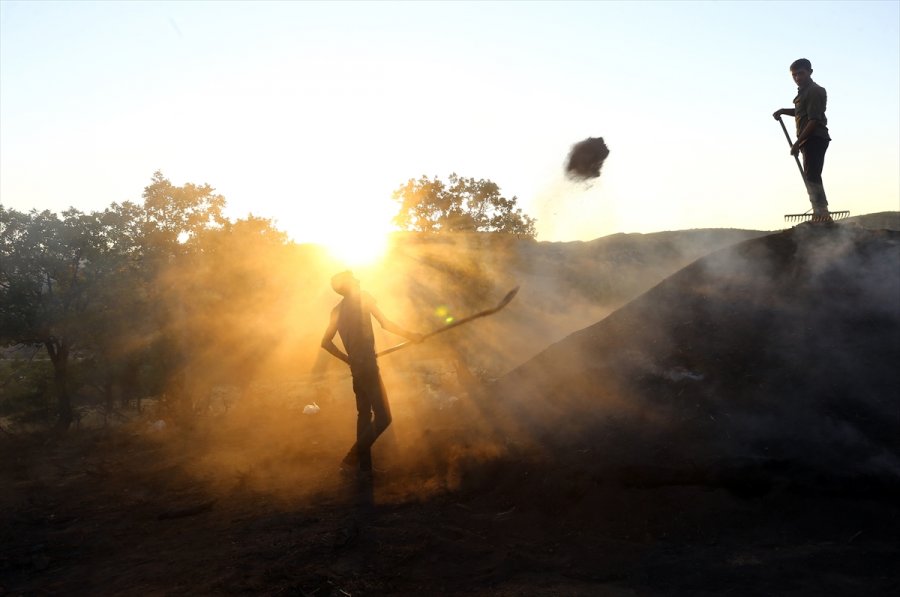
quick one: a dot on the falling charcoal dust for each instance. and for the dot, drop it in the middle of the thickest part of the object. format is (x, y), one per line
(586, 158)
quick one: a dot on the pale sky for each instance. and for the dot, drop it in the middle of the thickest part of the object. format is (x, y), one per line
(313, 113)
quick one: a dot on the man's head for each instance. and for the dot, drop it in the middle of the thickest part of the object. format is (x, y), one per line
(344, 283)
(801, 71)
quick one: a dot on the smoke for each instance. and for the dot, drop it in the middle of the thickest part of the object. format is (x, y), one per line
(245, 334)
(758, 351)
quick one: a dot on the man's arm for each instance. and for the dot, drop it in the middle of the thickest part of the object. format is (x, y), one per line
(392, 327)
(328, 339)
(784, 112)
(804, 135)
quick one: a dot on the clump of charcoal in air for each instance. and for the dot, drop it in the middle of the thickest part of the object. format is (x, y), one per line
(586, 159)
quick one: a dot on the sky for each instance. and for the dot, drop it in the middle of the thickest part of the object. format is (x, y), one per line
(313, 113)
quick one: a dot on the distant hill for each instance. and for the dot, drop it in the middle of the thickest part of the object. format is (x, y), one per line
(885, 220)
(564, 286)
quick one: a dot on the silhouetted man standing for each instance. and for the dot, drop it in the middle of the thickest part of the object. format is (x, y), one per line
(352, 319)
(812, 133)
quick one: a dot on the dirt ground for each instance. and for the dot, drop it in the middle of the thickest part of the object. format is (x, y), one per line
(694, 442)
(133, 511)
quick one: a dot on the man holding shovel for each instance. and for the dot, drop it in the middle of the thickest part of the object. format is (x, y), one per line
(352, 319)
(812, 133)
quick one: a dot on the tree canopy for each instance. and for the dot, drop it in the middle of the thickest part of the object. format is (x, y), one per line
(459, 205)
(114, 288)
(164, 296)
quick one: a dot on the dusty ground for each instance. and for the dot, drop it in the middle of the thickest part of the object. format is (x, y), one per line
(98, 513)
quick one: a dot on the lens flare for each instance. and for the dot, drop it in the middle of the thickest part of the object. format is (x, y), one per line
(443, 314)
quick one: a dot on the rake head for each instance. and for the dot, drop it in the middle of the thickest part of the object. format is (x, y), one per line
(810, 217)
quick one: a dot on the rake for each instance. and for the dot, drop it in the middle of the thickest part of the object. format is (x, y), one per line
(808, 216)
(811, 217)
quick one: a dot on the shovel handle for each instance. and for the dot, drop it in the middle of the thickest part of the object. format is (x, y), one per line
(506, 299)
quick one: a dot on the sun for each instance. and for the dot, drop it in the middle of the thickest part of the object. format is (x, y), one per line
(354, 232)
(360, 245)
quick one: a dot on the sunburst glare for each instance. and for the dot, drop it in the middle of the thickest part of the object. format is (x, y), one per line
(354, 231)
(361, 245)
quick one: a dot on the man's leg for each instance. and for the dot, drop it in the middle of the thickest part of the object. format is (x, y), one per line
(360, 455)
(377, 399)
(813, 163)
(381, 409)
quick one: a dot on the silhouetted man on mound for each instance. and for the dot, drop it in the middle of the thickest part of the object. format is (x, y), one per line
(812, 133)
(352, 319)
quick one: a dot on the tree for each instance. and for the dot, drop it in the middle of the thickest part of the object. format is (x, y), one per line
(459, 205)
(174, 215)
(47, 274)
(98, 282)
(228, 307)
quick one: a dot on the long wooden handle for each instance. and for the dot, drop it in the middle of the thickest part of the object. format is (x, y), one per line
(506, 300)
(791, 143)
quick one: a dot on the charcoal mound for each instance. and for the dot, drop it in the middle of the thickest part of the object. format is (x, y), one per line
(774, 359)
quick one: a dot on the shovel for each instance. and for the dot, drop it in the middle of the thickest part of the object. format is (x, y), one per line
(506, 300)
(835, 215)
